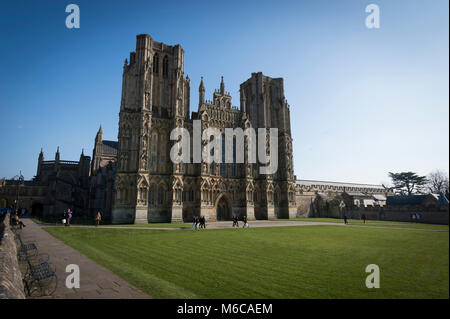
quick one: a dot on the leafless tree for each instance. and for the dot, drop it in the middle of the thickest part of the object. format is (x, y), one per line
(438, 182)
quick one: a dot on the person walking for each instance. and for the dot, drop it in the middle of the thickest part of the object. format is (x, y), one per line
(235, 221)
(194, 222)
(98, 218)
(418, 216)
(244, 219)
(69, 216)
(64, 218)
(203, 222)
(363, 217)
(345, 219)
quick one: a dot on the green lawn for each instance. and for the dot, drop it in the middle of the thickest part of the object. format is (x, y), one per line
(375, 223)
(275, 262)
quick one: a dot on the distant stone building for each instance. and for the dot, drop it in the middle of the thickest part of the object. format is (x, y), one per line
(103, 168)
(58, 185)
(418, 202)
(331, 199)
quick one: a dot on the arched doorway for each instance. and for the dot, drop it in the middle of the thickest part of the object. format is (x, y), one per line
(223, 208)
(37, 210)
(188, 215)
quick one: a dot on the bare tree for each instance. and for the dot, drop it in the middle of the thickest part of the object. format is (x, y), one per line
(438, 182)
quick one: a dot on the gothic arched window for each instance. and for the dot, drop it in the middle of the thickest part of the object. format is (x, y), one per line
(160, 196)
(166, 66)
(211, 166)
(233, 165)
(163, 144)
(151, 197)
(222, 163)
(156, 63)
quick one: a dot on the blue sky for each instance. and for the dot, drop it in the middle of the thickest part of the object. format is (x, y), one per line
(363, 101)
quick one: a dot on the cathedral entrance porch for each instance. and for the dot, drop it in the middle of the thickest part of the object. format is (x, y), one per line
(223, 208)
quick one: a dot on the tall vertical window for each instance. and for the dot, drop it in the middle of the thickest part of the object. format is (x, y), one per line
(156, 63)
(211, 166)
(233, 165)
(160, 196)
(162, 143)
(151, 197)
(222, 162)
(166, 66)
(153, 147)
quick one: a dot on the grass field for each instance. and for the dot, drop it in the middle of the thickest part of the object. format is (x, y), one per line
(275, 262)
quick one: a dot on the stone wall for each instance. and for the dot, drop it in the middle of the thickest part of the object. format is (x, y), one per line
(11, 285)
(392, 214)
(304, 205)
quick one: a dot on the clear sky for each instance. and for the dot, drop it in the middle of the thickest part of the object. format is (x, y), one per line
(363, 101)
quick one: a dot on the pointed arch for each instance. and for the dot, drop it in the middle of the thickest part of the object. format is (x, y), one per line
(166, 66)
(156, 63)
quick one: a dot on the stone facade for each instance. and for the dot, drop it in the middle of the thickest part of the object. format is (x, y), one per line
(11, 285)
(148, 187)
(331, 199)
(103, 168)
(58, 185)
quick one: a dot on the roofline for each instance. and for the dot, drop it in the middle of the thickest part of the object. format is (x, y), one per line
(299, 181)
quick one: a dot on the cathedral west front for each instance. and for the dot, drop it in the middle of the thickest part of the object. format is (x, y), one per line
(150, 187)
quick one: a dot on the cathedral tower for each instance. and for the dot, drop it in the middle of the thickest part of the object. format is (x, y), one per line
(264, 103)
(155, 97)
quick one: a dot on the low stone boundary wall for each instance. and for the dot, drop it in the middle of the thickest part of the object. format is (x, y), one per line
(427, 217)
(11, 285)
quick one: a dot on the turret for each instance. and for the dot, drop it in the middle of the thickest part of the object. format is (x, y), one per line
(84, 167)
(99, 136)
(57, 155)
(40, 160)
(143, 45)
(222, 87)
(201, 93)
(243, 102)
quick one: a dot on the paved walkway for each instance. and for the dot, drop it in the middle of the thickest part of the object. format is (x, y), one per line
(96, 282)
(216, 225)
(261, 223)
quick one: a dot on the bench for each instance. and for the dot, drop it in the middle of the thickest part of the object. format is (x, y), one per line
(25, 249)
(40, 280)
(39, 276)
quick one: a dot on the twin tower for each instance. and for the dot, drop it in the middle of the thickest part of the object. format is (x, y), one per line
(149, 187)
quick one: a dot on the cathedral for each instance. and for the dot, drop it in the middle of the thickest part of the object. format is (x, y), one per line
(149, 187)
(135, 180)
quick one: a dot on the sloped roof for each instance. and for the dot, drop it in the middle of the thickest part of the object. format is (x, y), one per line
(110, 147)
(407, 199)
(379, 197)
(357, 194)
